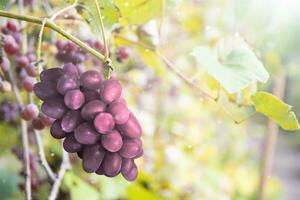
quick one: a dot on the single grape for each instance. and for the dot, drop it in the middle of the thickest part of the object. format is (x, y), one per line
(31, 57)
(132, 174)
(51, 75)
(5, 64)
(12, 26)
(91, 80)
(71, 120)
(47, 121)
(112, 141)
(37, 124)
(119, 111)
(59, 44)
(56, 130)
(122, 54)
(74, 99)
(131, 128)
(140, 154)
(92, 157)
(91, 109)
(54, 108)
(29, 112)
(71, 68)
(112, 164)
(110, 90)
(10, 45)
(28, 83)
(71, 145)
(91, 95)
(100, 170)
(127, 165)
(85, 134)
(22, 61)
(66, 83)
(104, 123)
(130, 148)
(45, 90)
(31, 70)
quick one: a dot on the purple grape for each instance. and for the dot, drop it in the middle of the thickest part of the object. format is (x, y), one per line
(85, 134)
(5, 64)
(100, 170)
(66, 83)
(131, 128)
(120, 112)
(9, 111)
(47, 121)
(31, 69)
(71, 145)
(132, 174)
(29, 112)
(74, 99)
(91, 80)
(112, 141)
(51, 75)
(112, 164)
(56, 130)
(122, 54)
(12, 26)
(70, 121)
(22, 61)
(92, 157)
(140, 154)
(127, 165)
(71, 68)
(91, 95)
(45, 90)
(37, 124)
(54, 108)
(104, 123)
(80, 153)
(130, 148)
(10, 45)
(28, 83)
(110, 90)
(91, 109)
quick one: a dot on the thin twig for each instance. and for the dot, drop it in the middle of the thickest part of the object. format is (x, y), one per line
(65, 165)
(50, 24)
(270, 141)
(39, 49)
(106, 52)
(63, 10)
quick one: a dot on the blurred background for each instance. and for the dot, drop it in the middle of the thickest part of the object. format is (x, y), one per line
(193, 148)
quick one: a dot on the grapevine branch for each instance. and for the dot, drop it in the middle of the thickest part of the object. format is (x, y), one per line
(50, 24)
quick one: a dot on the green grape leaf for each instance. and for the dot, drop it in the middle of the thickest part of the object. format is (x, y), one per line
(3, 4)
(233, 64)
(88, 10)
(274, 108)
(138, 12)
(79, 188)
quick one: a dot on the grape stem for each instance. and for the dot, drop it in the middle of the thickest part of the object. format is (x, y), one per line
(65, 165)
(50, 24)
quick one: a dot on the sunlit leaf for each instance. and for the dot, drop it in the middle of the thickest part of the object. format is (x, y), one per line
(88, 11)
(78, 188)
(139, 11)
(275, 109)
(234, 65)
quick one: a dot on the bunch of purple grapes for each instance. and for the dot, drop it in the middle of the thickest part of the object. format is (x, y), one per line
(9, 111)
(69, 52)
(11, 37)
(93, 118)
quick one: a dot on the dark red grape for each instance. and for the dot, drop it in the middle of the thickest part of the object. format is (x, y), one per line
(66, 83)
(37, 124)
(28, 83)
(92, 157)
(71, 120)
(45, 90)
(29, 112)
(74, 99)
(110, 90)
(31, 69)
(131, 128)
(56, 130)
(51, 75)
(12, 26)
(112, 164)
(91, 80)
(71, 145)
(85, 134)
(54, 108)
(112, 141)
(104, 123)
(10, 45)
(91, 109)
(120, 112)
(130, 149)
(22, 61)
(122, 54)
(47, 121)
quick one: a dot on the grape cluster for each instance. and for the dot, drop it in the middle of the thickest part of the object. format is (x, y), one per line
(93, 118)
(69, 52)
(11, 37)
(9, 111)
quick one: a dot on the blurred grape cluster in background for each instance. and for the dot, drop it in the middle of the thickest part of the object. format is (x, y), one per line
(193, 149)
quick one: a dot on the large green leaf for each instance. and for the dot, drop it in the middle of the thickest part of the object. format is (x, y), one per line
(139, 11)
(88, 11)
(275, 109)
(3, 4)
(79, 189)
(233, 64)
